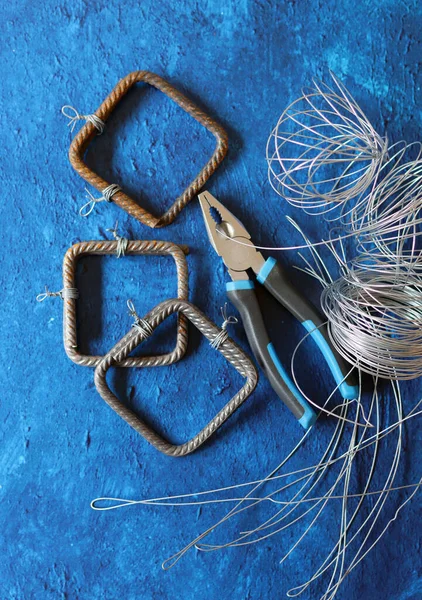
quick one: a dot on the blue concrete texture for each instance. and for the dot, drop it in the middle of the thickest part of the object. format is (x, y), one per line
(62, 446)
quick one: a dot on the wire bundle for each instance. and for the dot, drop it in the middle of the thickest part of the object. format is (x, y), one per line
(389, 220)
(325, 157)
(375, 321)
(323, 151)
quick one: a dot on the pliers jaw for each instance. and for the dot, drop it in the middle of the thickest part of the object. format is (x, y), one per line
(229, 238)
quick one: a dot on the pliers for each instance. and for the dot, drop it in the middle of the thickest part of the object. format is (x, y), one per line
(222, 228)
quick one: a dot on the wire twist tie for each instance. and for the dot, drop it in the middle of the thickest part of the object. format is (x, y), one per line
(140, 324)
(222, 336)
(75, 117)
(64, 294)
(384, 154)
(122, 242)
(107, 196)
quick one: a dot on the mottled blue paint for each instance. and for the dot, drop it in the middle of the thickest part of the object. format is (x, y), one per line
(61, 445)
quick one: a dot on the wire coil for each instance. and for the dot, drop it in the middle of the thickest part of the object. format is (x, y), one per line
(323, 151)
(376, 319)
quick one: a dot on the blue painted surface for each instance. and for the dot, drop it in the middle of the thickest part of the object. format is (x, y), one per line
(61, 446)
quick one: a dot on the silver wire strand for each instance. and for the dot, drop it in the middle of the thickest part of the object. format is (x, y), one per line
(325, 157)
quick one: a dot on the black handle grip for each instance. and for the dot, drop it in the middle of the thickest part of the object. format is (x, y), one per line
(274, 278)
(242, 295)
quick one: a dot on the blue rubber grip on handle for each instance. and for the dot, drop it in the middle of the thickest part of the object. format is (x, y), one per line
(309, 417)
(242, 294)
(275, 280)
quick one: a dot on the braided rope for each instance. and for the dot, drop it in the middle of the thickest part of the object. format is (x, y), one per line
(228, 348)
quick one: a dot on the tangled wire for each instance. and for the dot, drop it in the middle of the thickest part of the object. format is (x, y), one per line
(325, 157)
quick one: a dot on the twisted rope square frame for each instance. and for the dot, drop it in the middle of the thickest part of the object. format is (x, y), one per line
(82, 140)
(134, 247)
(229, 349)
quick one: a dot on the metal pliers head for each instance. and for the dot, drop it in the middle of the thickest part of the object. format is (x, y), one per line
(229, 238)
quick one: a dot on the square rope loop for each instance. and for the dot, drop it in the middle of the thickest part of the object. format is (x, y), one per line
(82, 140)
(229, 349)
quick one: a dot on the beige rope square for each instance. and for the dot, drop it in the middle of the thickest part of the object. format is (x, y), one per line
(133, 247)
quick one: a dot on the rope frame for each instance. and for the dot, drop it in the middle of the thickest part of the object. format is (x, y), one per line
(134, 247)
(87, 133)
(229, 349)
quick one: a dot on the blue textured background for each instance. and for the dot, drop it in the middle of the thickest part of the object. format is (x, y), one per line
(61, 445)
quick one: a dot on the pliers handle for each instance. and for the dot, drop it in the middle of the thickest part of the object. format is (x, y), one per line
(242, 294)
(233, 244)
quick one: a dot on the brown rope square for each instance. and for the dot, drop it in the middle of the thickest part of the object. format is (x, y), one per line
(228, 348)
(82, 140)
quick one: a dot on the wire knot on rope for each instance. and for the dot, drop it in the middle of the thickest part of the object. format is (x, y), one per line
(64, 294)
(107, 196)
(122, 242)
(222, 336)
(74, 117)
(140, 324)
